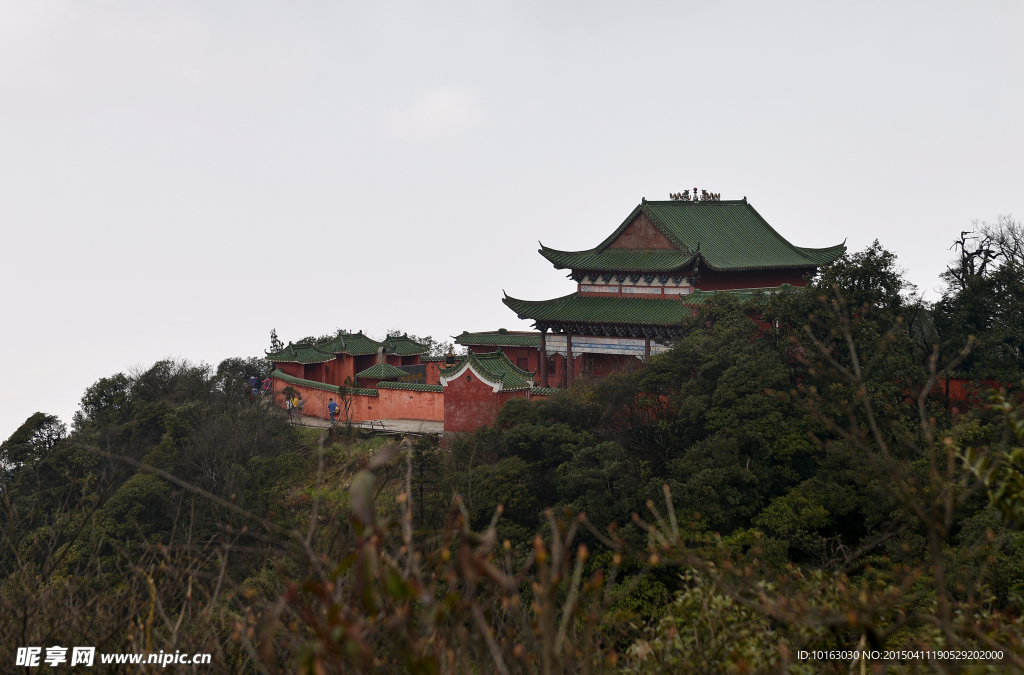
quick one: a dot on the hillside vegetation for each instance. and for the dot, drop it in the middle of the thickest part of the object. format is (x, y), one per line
(794, 475)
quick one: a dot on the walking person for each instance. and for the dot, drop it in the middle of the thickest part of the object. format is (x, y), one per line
(288, 407)
(332, 409)
(298, 407)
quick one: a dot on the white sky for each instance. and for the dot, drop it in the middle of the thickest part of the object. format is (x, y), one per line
(176, 179)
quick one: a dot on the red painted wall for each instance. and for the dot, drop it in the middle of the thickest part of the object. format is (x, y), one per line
(402, 404)
(338, 370)
(364, 362)
(506, 396)
(462, 406)
(603, 365)
(966, 392)
(389, 404)
(468, 404)
(363, 407)
(313, 371)
(434, 371)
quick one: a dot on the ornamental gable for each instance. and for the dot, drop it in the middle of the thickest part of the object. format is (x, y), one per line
(642, 233)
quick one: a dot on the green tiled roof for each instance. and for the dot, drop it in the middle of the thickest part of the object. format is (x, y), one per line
(580, 309)
(381, 371)
(727, 235)
(618, 260)
(303, 352)
(284, 377)
(410, 386)
(500, 339)
(355, 344)
(403, 346)
(543, 391)
(493, 367)
(575, 308)
(429, 359)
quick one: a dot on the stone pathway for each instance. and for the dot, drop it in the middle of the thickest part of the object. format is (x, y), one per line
(385, 426)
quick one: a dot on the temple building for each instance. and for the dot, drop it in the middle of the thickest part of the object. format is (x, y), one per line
(633, 292)
(635, 287)
(479, 385)
(352, 355)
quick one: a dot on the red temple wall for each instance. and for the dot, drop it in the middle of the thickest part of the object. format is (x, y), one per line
(434, 371)
(363, 362)
(390, 404)
(403, 404)
(603, 365)
(313, 371)
(468, 404)
(293, 369)
(463, 406)
(316, 400)
(965, 391)
(331, 371)
(346, 366)
(506, 396)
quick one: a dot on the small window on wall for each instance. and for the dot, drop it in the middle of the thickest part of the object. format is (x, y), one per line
(551, 365)
(523, 363)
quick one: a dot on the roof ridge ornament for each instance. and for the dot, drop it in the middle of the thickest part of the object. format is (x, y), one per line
(687, 196)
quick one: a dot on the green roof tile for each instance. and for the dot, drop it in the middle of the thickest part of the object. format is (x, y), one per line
(410, 386)
(576, 309)
(543, 391)
(403, 346)
(618, 260)
(284, 377)
(303, 352)
(495, 368)
(381, 371)
(500, 339)
(726, 235)
(430, 359)
(355, 344)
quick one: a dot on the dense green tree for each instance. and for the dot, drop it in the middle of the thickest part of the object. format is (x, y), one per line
(36, 437)
(984, 299)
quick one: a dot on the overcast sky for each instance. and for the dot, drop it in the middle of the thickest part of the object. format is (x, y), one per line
(177, 178)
